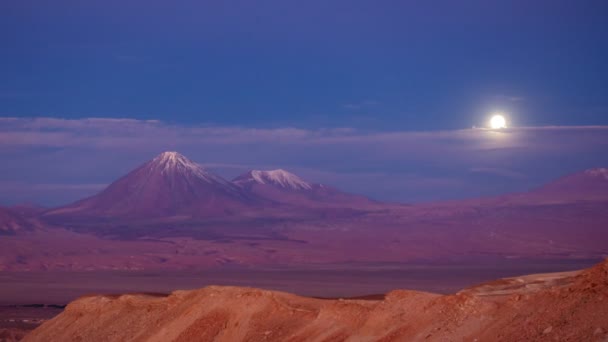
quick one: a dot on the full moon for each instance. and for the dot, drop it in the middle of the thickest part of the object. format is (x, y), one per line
(498, 121)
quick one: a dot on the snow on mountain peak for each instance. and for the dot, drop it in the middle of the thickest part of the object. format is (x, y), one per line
(169, 162)
(173, 160)
(279, 178)
(171, 155)
(600, 172)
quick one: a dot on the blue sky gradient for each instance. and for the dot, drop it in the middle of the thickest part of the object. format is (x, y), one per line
(382, 64)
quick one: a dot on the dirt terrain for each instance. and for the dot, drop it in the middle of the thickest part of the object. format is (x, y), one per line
(569, 306)
(172, 214)
(427, 233)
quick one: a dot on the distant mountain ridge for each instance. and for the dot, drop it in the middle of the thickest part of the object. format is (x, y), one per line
(173, 185)
(171, 213)
(591, 183)
(587, 185)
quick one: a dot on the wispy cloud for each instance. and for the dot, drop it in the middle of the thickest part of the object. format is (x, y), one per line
(499, 172)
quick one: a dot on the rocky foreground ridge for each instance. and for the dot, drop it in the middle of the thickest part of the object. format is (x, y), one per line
(570, 306)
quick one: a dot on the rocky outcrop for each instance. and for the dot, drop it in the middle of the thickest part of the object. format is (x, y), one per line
(568, 306)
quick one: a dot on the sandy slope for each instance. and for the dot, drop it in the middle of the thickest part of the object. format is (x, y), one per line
(569, 306)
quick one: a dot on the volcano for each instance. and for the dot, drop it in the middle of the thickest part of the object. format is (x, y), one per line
(168, 185)
(283, 187)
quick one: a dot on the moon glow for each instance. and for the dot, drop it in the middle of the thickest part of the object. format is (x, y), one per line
(498, 121)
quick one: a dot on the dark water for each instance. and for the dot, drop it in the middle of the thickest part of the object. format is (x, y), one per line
(54, 287)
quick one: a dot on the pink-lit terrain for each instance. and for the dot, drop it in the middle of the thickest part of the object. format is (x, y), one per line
(171, 224)
(172, 214)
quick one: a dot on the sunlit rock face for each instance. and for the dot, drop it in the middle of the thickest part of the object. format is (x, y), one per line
(537, 307)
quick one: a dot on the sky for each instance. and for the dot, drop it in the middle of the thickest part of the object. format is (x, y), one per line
(375, 97)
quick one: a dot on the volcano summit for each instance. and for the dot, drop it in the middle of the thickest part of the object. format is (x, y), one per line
(168, 185)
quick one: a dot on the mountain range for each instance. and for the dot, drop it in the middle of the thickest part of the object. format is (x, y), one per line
(172, 213)
(172, 185)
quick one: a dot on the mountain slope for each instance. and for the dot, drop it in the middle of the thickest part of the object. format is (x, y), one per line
(12, 223)
(284, 187)
(168, 185)
(584, 186)
(295, 228)
(545, 307)
(590, 184)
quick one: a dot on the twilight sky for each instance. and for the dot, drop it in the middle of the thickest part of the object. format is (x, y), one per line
(375, 97)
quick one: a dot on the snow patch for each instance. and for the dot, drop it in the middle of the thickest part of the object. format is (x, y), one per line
(601, 172)
(172, 162)
(280, 178)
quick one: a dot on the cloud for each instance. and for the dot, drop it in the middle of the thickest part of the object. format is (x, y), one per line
(499, 172)
(396, 165)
